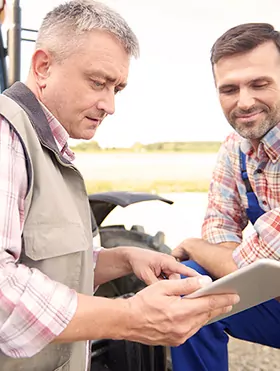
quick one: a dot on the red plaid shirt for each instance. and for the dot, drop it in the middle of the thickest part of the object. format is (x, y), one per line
(226, 217)
(33, 308)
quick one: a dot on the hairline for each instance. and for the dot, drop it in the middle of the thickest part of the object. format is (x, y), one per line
(83, 16)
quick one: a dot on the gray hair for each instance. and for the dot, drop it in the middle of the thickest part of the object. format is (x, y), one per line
(67, 23)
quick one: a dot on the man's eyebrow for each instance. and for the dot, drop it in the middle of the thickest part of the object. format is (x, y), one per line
(105, 76)
(261, 78)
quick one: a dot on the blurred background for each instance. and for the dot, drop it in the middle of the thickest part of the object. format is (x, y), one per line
(168, 125)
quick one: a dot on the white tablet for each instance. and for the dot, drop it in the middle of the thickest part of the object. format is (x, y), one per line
(255, 284)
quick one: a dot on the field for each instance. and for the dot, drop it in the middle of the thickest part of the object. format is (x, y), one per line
(159, 147)
(149, 172)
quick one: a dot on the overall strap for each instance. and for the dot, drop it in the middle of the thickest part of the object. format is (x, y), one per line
(254, 211)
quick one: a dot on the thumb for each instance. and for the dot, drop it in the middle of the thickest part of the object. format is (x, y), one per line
(180, 253)
(184, 286)
(148, 276)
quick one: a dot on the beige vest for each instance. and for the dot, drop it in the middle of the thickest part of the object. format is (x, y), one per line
(57, 236)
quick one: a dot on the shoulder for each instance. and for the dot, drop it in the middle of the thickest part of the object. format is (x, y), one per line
(230, 148)
(232, 143)
(228, 159)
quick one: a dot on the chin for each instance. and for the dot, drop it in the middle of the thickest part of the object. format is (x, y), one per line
(87, 135)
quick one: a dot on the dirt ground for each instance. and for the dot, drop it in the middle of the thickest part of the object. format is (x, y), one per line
(245, 356)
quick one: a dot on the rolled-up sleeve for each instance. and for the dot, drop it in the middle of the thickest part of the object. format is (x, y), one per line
(225, 218)
(33, 308)
(263, 243)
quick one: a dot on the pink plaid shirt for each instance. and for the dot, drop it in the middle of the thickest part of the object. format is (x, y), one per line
(226, 217)
(33, 308)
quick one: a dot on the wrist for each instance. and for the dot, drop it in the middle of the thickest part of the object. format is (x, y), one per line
(126, 253)
(131, 320)
(124, 319)
(196, 248)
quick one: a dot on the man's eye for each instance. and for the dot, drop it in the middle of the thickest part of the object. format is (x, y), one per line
(228, 91)
(98, 84)
(260, 86)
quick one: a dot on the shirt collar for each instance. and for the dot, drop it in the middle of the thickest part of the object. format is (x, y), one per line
(59, 133)
(270, 143)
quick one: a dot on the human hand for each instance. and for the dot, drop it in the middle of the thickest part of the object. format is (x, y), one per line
(150, 266)
(160, 316)
(185, 250)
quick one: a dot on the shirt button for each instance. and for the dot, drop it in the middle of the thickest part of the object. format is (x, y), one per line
(259, 171)
(264, 203)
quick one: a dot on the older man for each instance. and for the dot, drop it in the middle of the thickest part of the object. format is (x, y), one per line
(47, 258)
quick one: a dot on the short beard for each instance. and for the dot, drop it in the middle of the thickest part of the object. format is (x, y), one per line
(248, 131)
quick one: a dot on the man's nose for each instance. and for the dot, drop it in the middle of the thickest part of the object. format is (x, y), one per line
(245, 100)
(107, 103)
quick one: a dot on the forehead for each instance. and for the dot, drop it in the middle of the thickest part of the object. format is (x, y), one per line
(102, 50)
(241, 68)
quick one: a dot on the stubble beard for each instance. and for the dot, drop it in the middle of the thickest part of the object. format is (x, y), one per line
(254, 130)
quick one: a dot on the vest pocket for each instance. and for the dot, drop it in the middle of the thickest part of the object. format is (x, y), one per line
(63, 253)
(49, 241)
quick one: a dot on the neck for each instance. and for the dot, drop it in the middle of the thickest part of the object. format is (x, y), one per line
(255, 143)
(30, 83)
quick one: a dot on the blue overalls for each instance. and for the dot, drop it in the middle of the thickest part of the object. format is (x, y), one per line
(207, 349)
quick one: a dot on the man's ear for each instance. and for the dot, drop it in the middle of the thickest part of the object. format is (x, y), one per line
(41, 63)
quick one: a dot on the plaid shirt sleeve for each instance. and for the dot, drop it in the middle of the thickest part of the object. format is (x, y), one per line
(225, 218)
(264, 243)
(33, 308)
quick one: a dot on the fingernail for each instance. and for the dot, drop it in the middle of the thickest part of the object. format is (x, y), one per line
(228, 309)
(236, 299)
(204, 280)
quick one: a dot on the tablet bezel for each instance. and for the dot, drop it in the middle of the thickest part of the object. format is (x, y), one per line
(254, 284)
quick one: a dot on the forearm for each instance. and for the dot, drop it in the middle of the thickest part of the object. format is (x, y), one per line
(34, 309)
(97, 318)
(216, 259)
(58, 313)
(111, 264)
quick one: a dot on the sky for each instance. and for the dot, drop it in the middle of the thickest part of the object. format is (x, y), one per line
(170, 94)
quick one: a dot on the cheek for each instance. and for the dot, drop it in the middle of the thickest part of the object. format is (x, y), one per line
(73, 94)
(78, 104)
(87, 100)
(270, 99)
(227, 105)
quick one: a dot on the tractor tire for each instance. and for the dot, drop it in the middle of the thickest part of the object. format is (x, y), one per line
(118, 235)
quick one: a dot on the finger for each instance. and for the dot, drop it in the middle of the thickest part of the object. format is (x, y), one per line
(149, 277)
(218, 312)
(184, 286)
(174, 266)
(202, 319)
(174, 276)
(211, 303)
(180, 253)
